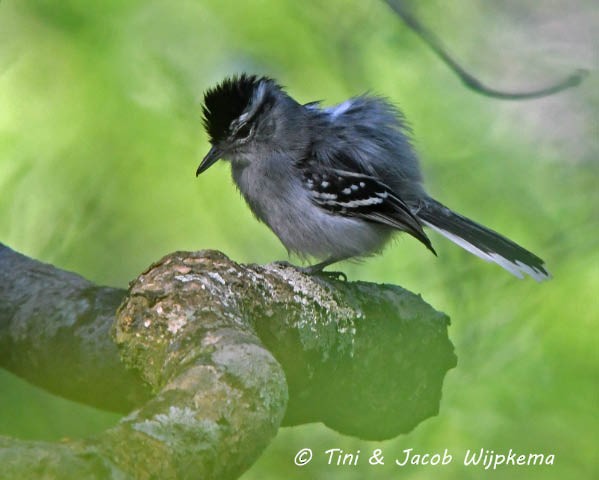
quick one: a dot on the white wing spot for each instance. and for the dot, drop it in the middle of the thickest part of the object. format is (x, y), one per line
(357, 203)
(326, 196)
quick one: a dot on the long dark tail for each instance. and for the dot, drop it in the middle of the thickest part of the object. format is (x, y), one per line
(482, 242)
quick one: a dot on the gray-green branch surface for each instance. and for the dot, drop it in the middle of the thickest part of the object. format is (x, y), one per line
(209, 358)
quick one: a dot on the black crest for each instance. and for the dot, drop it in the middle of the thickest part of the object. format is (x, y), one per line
(225, 102)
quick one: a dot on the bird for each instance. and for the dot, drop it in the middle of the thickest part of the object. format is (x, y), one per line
(335, 183)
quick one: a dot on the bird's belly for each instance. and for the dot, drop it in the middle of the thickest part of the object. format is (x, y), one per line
(303, 227)
(308, 230)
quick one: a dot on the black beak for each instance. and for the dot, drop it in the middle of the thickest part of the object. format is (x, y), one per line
(210, 159)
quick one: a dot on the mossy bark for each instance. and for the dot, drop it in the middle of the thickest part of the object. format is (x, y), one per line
(209, 357)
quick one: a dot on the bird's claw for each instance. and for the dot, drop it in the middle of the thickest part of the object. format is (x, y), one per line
(284, 263)
(340, 276)
(316, 270)
(311, 270)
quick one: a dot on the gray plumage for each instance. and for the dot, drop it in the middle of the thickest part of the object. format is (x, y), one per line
(337, 182)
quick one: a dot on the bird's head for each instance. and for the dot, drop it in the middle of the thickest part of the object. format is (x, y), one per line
(240, 117)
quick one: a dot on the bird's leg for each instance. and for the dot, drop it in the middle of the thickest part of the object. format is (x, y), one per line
(317, 269)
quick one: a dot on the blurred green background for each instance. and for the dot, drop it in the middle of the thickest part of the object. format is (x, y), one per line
(100, 136)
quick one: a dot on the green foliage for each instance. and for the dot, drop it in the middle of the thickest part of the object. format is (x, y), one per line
(100, 135)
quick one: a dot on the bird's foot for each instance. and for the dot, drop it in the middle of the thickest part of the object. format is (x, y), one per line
(285, 264)
(313, 270)
(333, 275)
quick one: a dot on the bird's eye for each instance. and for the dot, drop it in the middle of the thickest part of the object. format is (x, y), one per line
(243, 131)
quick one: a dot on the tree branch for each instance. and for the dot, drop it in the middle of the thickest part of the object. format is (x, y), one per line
(469, 80)
(229, 353)
(54, 332)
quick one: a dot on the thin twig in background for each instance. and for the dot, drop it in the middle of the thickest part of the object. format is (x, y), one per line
(469, 80)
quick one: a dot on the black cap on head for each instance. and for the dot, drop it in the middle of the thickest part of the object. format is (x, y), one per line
(225, 102)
